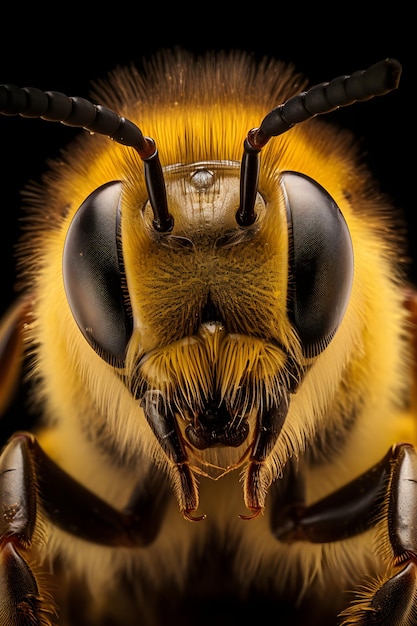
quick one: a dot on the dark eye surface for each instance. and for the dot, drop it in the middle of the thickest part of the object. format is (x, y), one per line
(93, 273)
(320, 264)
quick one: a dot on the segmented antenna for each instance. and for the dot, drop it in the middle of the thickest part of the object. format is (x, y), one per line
(57, 107)
(323, 98)
(377, 80)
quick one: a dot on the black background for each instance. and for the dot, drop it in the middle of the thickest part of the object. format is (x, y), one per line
(66, 52)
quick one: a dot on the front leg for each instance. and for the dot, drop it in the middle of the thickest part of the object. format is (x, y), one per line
(388, 493)
(21, 602)
(29, 480)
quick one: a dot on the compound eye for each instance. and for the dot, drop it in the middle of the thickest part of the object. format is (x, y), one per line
(93, 274)
(320, 263)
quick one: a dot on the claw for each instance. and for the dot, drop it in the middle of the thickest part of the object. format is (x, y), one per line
(191, 518)
(255, 513)
(257, 481)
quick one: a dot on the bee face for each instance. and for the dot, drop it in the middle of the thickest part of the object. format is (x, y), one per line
(196, 261)
(188, 349)
(183, 309)
(179, 312)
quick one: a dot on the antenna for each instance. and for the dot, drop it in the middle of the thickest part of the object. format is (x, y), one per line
(377, 80)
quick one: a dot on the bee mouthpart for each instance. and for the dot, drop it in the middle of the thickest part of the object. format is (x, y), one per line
(216, 427)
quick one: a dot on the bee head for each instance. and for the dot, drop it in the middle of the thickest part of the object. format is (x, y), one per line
(212, 295)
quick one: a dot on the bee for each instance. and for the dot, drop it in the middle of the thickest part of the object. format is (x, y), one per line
(215, 324)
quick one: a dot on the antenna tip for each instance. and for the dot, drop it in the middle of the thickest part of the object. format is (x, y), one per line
(384, 76)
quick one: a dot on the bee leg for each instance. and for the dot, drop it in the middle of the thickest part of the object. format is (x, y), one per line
(258, 475)
(30, 482)
(66, 503)
(388, 492)
(21, 603)
(11, 349)
(393, 599)
(164, 426)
